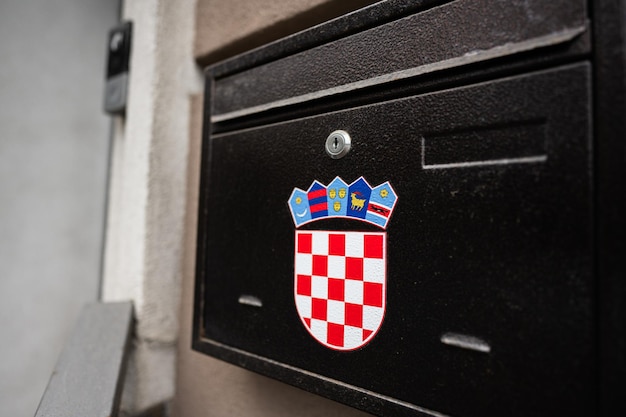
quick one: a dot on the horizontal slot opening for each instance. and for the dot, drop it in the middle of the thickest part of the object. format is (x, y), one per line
(517, 143)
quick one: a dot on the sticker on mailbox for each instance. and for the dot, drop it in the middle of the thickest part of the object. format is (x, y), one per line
(340, 276)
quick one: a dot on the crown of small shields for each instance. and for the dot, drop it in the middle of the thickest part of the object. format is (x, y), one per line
(358, 201)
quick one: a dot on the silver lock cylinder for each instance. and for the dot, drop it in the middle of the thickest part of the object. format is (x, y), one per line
(338, 144)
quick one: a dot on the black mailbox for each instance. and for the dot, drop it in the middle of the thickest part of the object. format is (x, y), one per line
(396, 210)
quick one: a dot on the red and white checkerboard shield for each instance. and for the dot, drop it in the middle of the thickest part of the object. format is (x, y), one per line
(340, 285)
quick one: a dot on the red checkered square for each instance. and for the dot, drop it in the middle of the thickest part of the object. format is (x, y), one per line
(304, 285)
(336, 289)
(373, 246)
(337, 245)
(318, 309)
(372, 294)
(354, 315)
(335, 334)
(305, 244)
(354, 268)
(320, 265)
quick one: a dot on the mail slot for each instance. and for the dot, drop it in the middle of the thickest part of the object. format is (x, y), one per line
(441, 266)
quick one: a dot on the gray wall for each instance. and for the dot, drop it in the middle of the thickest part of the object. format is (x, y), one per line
(53, 166)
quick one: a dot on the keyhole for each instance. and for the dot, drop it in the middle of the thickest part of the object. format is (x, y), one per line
(337, 144)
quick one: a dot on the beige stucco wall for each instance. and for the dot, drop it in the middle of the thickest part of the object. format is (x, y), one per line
(147, 205)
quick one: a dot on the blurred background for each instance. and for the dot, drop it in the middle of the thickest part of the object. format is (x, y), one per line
(54, 150)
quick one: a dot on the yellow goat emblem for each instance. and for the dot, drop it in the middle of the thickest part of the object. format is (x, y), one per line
(357, 203)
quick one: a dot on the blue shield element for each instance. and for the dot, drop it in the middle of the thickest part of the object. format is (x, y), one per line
(337, 196)
(299, 206)
(359, 195)
(381, 204)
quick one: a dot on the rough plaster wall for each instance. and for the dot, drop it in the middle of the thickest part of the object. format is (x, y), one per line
(147, 192)
(207, 387)
(54, 141)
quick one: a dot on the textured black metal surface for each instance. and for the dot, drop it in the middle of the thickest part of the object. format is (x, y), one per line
(610, 157)
(359, 20)
(493, 242)
(458, 30)
(549, 57)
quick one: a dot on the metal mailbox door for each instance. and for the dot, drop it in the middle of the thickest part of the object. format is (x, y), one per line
(487, 251)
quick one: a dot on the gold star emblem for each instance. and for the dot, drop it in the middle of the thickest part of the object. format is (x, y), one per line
(384, 193)
(298, 200)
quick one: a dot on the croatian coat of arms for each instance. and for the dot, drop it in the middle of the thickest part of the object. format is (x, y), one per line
(340, 276)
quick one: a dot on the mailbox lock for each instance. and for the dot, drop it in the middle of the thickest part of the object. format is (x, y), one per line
(338, 144)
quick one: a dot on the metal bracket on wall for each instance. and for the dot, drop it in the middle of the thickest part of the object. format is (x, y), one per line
(88, 378)
(118, 66)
